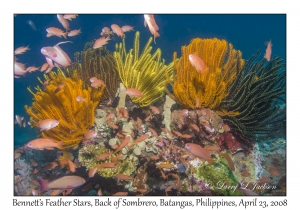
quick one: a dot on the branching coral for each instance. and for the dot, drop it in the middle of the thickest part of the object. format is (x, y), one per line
(258, 95)
(144, 72)
(208, 88)
(98, 63)
(74, 117)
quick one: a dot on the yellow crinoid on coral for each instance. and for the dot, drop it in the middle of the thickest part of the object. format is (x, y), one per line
(144, 72)
(75, 118)
(207, 88)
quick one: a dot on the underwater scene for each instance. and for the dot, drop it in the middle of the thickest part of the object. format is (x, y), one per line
(153, 105)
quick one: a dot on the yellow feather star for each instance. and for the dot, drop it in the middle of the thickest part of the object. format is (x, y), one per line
(75, 118)
(207, 88)
(143, 72)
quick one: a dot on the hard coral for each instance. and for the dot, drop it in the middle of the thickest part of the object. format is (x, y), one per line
(74, 117)
(210, 87)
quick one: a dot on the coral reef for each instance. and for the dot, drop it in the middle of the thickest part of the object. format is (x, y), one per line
(75, 118)
(144, 72)
(255, 95)
(205, 89)
(88, 157)
(98, 63)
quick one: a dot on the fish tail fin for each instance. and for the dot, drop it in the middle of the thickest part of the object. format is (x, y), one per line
(60, 145)
(85, 100)
(210, 161)
(65, 35)
(43, 184)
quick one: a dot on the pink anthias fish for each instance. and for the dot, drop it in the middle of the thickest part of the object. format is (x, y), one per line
(197, 62)
(127, 28)
(133, 92)
(198, 151)
(57, 55)
(268, 51)
(19, 70)
(64, 22)
(150, 21)
(100, 42)
(56, 32)
(89, 135)
(63, 183)
(21, 50)
(117, 30)
(47, 124)
(42, 143)
(70, 16)
(74, 32)
(95, 82)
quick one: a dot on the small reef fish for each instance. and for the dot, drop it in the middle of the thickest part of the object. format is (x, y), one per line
(166, 165)
(104, 156)
(63, 183)
(34, 192)
(155, 110)
(123, 144)
(268, 51)
(110, 116)
(229, 160)
(133, 92)
(31, 69)
(198, 151)
(197, 62)
(70, 17)
(87, 187)
(107, 165)
(274, 171)
(150, 21)
(74, 32)
(127, 28)
(19, 120)
(44, 67)
(183, 113)
(120, 194)
(71, 165)
(57, 55)
(59, 88)
(117, 30)
(141, 138)
(56, 32)
(21, 50)
(92, 172)
(89, 135)
(47, 124)
(19, 70)
(263, 180)
(32, 25)
(50, 166)
(42, 143)
(81, 99)
(95, 82)
(45, 84)
(100, 42)
(64, 22)
(124, 177)
(245, 173)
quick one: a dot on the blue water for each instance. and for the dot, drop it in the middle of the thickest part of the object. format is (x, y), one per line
(246, 32)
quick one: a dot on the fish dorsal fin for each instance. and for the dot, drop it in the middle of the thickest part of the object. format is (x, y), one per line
(62, 43)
